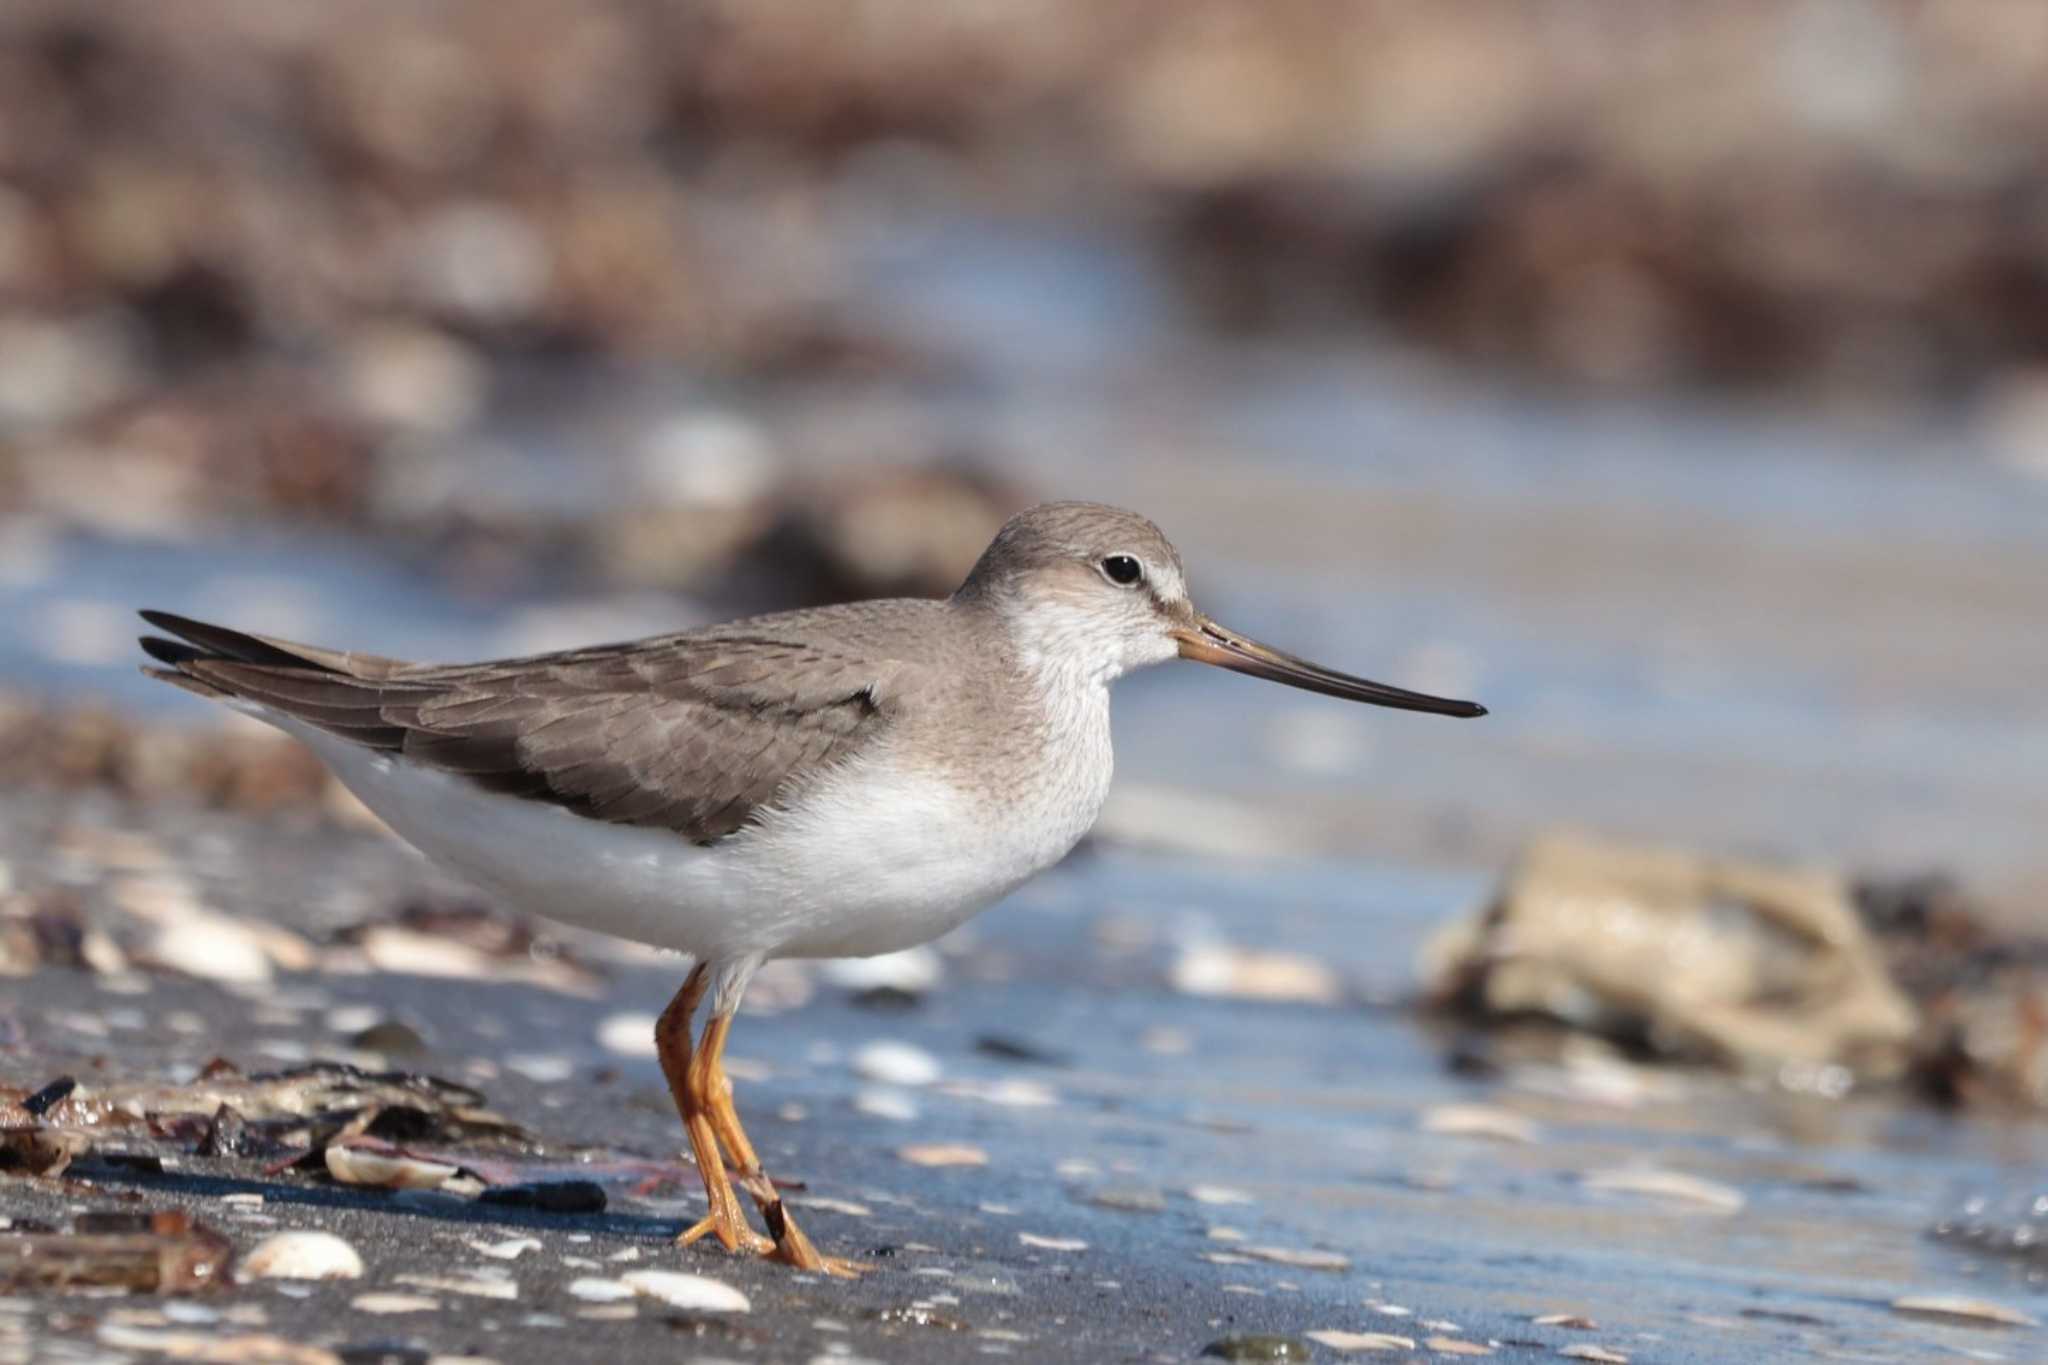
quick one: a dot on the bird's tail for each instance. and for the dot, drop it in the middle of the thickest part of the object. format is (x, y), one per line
(334, 689)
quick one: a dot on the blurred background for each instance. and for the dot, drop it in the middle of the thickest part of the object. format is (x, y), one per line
(1672, 378)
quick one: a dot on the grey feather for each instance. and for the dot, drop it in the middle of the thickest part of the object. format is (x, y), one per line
(695, 733)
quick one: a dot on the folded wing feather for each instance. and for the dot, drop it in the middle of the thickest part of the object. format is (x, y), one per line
(694, 733)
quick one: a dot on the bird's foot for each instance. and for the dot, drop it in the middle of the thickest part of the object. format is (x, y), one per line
(732, 1232)
(793, 1248)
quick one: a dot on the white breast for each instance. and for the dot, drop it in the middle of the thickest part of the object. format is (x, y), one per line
(878, 856)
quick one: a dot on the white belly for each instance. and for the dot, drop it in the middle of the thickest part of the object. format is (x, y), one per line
(874, 859)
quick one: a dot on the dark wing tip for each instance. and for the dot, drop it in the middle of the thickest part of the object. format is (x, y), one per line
(164, 620)
(173, 652)
(226, 643)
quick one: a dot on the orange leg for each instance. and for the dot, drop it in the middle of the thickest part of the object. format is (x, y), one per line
(714, 1089)
(672, 1046)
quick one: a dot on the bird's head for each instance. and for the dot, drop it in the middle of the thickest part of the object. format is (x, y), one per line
(1091, 591)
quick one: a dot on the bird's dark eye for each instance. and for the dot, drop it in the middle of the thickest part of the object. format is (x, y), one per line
(1122, 569)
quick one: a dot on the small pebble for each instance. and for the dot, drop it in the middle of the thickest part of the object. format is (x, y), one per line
(478, 1288)
(509, 1250)
(1218, 1194)
(302, 1256)
(1675, 1185)
(1599, 1353)
(943, 1154)
(829, 1205)
(629, 1035)
(914, 971)
(879, 1103)
(1015, 1092)
(355, 1166)
(411, 377)
(596, 1289)
(1129, 1199)
(1962, 1309)
(211, 947)
(895, 1063)
(389, 948)
(192, 1314)
(1572, 1320)
(394, 1303)
(1451, 1346)
(389, 1036)
(1008, 1048)
(1306, 1259)
(1256, 1346)
(1479, 1121)
(693, 1292)
(545, 1068)
(353, 1018)
(1032, 1239)
(160, 1343)
(1352, 1343)
(1223, 970)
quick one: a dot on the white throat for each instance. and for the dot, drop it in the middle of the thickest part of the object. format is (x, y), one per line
(1071, 647)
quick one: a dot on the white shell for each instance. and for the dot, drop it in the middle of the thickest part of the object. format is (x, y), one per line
(895, 1063)
(678, 1290)
(354, 1166)
(302, 1256)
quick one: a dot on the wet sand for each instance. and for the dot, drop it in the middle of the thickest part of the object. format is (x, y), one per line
(1144, 1170)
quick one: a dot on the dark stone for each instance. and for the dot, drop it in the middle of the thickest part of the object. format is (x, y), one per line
(549, 1196)
(887, 999)
(382, 1353)
(1256, 1346)
(1012, 1049)
(45, 1099)
(1129, 1199)
(389, 1036)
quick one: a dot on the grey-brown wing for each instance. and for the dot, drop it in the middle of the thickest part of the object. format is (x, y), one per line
(694, 734)
(694, 737)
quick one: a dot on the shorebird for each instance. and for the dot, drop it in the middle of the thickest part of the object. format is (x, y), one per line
(835, 782)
